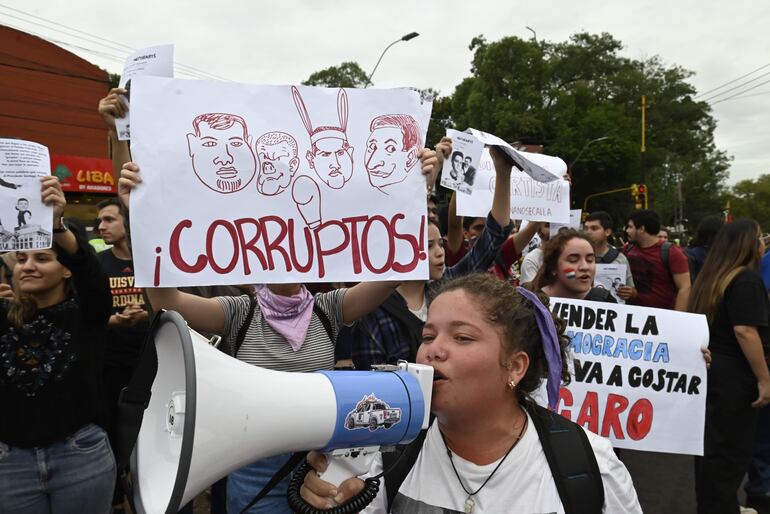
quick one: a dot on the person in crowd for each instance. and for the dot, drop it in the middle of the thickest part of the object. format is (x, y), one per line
(393, 331)
(699, 247)
(129, 322)
(569, 268)
(55, 456)
(491, 346)
(432, 208)
(599, 226)
(286, 329)
(660, 270)
(532, 262)
(663, 235)
(729, 291)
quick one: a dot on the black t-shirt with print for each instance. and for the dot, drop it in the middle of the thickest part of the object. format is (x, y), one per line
(51, 367)
(745, 303)
(124, 343)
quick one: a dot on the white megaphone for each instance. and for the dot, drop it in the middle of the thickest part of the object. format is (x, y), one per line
(210, 414)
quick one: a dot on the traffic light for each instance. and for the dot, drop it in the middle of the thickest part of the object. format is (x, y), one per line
(639, 194)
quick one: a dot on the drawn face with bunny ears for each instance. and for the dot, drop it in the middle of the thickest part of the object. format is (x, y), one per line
(332, 160)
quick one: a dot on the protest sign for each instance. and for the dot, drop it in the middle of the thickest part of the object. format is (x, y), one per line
(611, 277)
(459, 171)
(157, 61)
(638, 375)
(574, 222)
(276, 184)
(531, 199)
(25, 221)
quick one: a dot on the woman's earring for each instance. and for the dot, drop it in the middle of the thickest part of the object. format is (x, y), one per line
(512, 385)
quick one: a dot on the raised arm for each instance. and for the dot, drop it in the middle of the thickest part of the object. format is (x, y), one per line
(501, 202)
(111, 107)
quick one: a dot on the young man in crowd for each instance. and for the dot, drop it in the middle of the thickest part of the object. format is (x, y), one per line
(661, 272)
(129, 322)
(598, 227)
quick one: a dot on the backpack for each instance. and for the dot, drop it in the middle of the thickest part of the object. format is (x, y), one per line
(609, 257)
(566, 447)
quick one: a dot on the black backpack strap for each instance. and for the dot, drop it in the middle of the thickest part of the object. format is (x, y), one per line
(324, 321)
(396, 306)
(294, 460)
(245, 326)
(665, 249)
(398, 464)
(610, 256)
(572, 461)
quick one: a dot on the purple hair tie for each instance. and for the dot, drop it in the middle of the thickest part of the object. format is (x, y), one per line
(551, 346)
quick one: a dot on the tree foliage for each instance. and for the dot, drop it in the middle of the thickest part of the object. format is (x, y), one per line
(564, 94)
(751, 199)
(347, 74)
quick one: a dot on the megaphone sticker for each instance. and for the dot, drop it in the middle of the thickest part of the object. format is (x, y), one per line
(372, 413)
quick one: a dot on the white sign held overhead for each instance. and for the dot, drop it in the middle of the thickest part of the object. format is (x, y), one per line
(459, 171)
(531, 199)
(274, 184)
(155, 61)
(25, 221)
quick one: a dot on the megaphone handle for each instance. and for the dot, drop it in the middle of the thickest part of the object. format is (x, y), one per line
(342, 467)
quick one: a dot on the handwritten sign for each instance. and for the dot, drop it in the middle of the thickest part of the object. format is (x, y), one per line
(531, 199)
(639, 377)
(250, 184)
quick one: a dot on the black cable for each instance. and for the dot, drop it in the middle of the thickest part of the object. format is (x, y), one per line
(712, 97)
(355, 504)
(741, 92)
(731, 81)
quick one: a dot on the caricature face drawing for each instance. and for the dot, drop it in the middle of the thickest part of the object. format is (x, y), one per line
(330, 155)
(278, 162)
(332, 160)
(391, 150)
(221, 153)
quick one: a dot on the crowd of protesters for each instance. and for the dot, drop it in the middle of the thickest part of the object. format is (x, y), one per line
(72, 323)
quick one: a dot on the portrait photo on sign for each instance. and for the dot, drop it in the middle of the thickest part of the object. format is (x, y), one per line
(459, 171)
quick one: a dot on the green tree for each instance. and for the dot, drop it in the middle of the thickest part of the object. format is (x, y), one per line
(751, 199)
(564, 94)
(347, 74)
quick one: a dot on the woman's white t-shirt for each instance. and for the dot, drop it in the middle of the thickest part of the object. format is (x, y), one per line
(523, 484)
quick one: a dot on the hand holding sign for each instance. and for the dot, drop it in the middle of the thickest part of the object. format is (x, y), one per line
(112, 106)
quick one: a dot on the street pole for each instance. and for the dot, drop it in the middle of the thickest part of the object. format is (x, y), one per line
(406, 37)
(643, 149)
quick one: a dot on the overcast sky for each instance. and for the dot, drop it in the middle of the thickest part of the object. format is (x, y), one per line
(284, 41)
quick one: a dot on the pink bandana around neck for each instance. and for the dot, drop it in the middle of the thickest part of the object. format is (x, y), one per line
(287, 315)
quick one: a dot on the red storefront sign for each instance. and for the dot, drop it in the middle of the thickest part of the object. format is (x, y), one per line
(84, 174)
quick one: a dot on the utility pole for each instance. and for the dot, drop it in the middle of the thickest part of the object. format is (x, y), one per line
(642, 171)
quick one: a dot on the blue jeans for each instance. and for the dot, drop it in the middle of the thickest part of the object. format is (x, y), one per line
(759, 471)
(73, 476)
(244, 484)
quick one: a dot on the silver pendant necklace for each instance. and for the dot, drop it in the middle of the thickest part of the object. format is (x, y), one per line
(470, 503)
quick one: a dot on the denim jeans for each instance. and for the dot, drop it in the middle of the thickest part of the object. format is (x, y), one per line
(759, 471)
(73, 476)
(244, 484)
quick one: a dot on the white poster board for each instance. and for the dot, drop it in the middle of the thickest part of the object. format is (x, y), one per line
(531, 199)
(574, 222)
(459, 171)
(639, 377)
(276, 184)
(611, 277)
(25, 221)
(157, 61)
